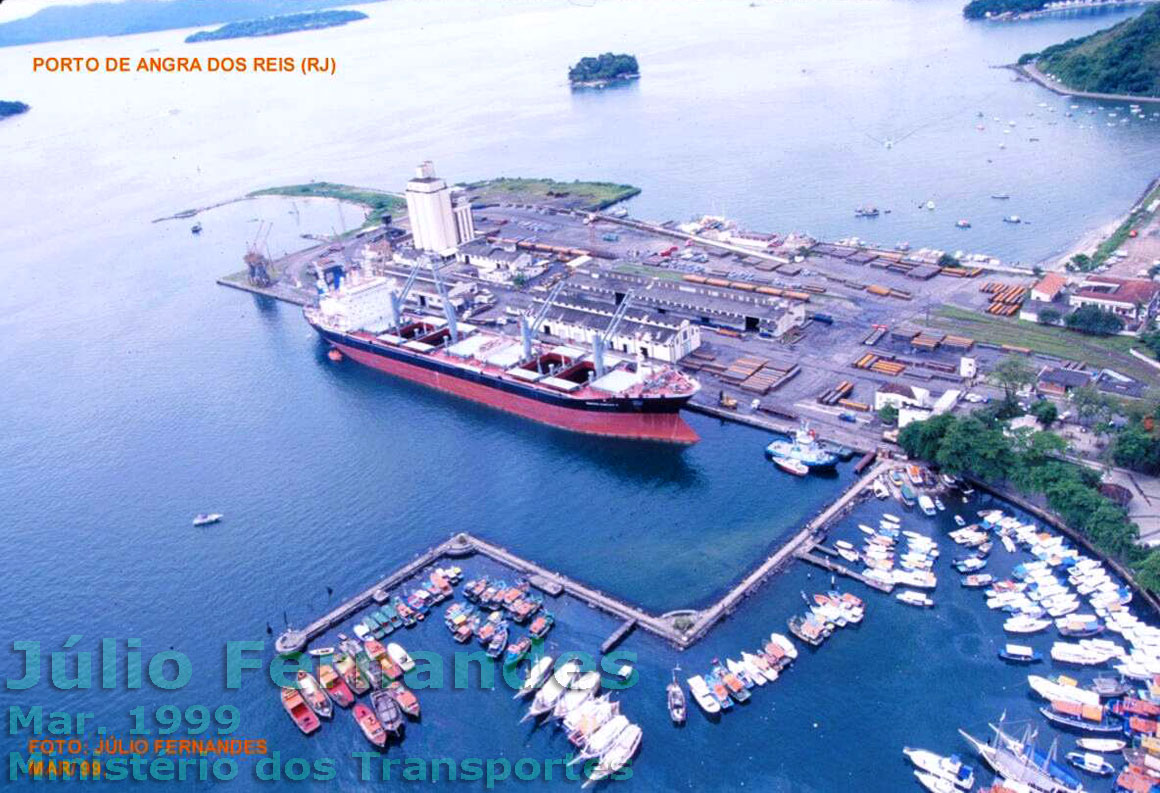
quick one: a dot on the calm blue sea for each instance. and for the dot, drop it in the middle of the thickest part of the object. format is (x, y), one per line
(137, 393)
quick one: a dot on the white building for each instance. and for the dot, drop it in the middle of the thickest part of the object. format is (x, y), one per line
(500, 263)
(438, 223)
(642, 332)
(901, 396)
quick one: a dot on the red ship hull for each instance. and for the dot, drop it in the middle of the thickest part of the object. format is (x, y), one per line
(666, 427)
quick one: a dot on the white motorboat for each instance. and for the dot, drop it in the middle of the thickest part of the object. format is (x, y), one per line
(914, 599)
(702, 696)
(951, 768)
(625, 746)
(553, 690)
(577, 694)
(206, 518)
(1092, 763)
(603, 739)
(935, 784)
(536, 676)
(1023, 624)
(1105, 745)
(400, 656)
(785, 644)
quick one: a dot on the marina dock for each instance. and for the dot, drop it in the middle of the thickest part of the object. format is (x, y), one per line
(555, 584)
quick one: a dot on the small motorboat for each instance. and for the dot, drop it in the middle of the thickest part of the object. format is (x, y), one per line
(791, 466)
(369, 723)
(516, 651)
(676, 700)
(400, 656)
(963, 224)
(404, 698)
(914, 599)
(206, 518)
(702, 695)
(959, 521)
(388, 713)
(294, 704)
(336, 687)
(1000, 196)
(195, 228)
(315, 696)
(1012, 219)
(1092, 763)
(1020, 654)
(1105, 745)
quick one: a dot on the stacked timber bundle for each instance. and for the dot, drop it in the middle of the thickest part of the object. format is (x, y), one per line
(927, 341)
(852, 405)
(958, 343)
(838, 392)
(769, 378)
(743, 368)
(875, 335)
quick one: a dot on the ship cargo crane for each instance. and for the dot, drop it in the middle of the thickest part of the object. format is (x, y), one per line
(528, 329)
(601, 339)
(398, 297)
(448, 309)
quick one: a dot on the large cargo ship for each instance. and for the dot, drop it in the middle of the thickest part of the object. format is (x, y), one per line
(560, 385)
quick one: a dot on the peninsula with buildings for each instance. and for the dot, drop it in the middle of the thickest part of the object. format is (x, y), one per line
(537, 302)
(275, 26)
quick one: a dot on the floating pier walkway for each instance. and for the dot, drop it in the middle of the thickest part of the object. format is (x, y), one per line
(695, 624)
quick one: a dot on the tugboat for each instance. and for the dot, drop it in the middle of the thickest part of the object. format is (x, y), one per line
(676, 697)
(804, 448)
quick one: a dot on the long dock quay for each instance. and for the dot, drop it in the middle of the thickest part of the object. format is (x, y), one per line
(831, 566)
(555, 584)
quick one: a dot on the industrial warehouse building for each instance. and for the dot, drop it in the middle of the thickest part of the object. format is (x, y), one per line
(575, 319)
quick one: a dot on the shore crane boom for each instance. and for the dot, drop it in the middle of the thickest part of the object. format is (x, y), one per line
(448, 309)
(528, 329)
(601, 339)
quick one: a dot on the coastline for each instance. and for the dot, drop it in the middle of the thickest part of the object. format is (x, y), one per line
(1031, 72)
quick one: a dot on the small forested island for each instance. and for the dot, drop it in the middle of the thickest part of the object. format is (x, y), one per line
(982, 9)
(12, 108)
(1123, 59)
(605, 69)
(274, 26)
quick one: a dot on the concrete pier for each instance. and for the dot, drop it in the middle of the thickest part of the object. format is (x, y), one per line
(694, 624)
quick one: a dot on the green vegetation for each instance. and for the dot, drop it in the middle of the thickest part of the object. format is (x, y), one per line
(1045, 412)
(888, 414)
(981, 445)
(12, 109)
(274, 26)
(1098, 351)
(1136, 448)
(1123, 59)
(1094, 321)
(979, 9)
(1012, 374)
(604, 69)
(575, 194)
(377, 202)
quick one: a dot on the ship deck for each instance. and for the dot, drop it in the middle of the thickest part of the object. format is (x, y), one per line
(501, 357)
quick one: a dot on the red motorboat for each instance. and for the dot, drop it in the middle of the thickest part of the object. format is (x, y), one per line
(370, 725)
(296, 706)
(335, 686)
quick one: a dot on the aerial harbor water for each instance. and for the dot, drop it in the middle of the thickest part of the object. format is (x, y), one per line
(137, 393)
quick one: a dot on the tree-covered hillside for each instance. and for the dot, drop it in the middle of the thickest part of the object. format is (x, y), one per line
(1124, 59)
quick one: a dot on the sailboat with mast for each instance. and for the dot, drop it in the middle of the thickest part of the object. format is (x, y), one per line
(1018, 760)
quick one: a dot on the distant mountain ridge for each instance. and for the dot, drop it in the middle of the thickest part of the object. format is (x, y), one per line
(61, 23)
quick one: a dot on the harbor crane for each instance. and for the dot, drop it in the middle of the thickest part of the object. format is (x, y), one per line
(448, 309)
(528, 329)
(601, 339)
(398, 297)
